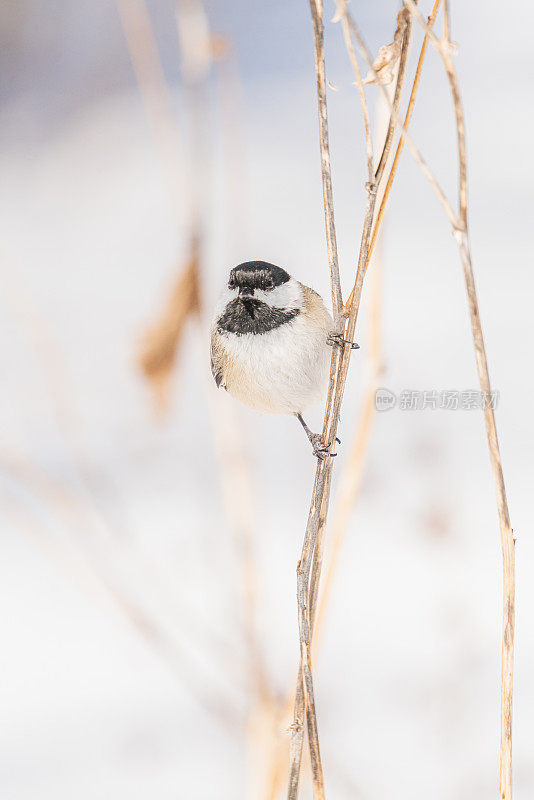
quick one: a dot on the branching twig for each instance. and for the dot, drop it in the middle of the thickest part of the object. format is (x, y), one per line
(364, 50)
(407, 118)
(400, 146)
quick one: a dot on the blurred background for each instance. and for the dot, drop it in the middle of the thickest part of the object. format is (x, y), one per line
(151, 526)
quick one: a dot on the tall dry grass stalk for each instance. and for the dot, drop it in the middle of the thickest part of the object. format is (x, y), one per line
(351, 475)
(459, 222)
(309, 566)
(352, 471)
(350, 478)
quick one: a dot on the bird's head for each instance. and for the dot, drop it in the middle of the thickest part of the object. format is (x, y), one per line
(256, 282)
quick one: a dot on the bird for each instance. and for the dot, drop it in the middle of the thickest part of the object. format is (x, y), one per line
(271, 339)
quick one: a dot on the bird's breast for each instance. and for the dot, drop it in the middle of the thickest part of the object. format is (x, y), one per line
(282, 370)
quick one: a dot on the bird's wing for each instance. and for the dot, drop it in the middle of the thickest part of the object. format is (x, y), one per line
(217, 360)
(316, 309)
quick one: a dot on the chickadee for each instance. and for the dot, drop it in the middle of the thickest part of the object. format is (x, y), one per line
(270, 342)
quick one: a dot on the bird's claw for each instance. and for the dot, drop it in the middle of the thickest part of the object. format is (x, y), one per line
(336, 339)
(323, 452)
(320, 450)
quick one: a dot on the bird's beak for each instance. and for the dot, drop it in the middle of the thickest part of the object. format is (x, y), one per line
(245, 292)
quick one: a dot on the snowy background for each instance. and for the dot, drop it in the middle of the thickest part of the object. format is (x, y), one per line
(110, 515)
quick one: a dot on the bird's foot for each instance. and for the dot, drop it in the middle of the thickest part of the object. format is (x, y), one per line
(337, 340)
(320, 449)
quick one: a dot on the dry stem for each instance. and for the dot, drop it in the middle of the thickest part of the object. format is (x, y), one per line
(162, 340)
(461, 233)
(316, 7)
(408, 139)
(361, 91)
(407, 118)
(459, 222)
(351, 478)
(311, 556)
(400, 146)
(396, 99)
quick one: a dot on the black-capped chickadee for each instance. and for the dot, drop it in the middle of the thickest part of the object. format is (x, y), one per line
(270, 342)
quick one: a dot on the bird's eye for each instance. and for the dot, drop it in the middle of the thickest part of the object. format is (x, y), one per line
(269, 284)
(231, 283)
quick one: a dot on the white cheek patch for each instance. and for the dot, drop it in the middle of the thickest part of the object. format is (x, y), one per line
(227, 295)
(288, 295)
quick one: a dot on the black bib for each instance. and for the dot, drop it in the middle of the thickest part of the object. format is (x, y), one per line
(253, 316)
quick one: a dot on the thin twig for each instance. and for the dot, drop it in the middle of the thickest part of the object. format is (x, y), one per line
(461, 233)
(400, 146)
(408, 139)
(316, 7)
(403, 61)
(361, 91)
(507, 535)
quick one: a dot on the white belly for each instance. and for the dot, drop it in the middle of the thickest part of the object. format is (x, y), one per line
(279, 372)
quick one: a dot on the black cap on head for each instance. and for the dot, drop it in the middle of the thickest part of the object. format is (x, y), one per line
(258, 275)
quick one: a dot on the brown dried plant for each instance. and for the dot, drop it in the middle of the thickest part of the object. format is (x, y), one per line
(352, 471)
(350, 478)
(459, 222)
(309, 566)
(310, 563)
(161, 341)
